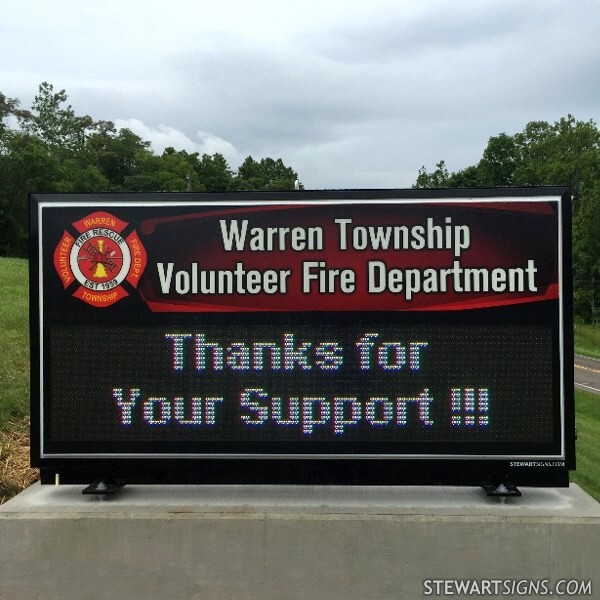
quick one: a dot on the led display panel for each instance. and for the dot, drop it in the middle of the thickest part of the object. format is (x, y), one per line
(389, 336)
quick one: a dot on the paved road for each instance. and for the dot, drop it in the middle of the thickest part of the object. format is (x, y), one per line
(587, 373)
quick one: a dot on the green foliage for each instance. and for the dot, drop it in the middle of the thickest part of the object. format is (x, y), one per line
(587, 340)
(587, 420)
(55, 150)
(167, 173)
(566, 152)
(586, 254)
(213, 173)
(14, 335)
(266, 175)
(498, 164)
(118, 155)
(436, 179)
(26, 166)
(9, 107)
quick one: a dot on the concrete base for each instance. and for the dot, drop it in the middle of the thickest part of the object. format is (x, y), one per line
(287, 542)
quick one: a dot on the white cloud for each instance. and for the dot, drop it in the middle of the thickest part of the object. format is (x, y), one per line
(163, 136)
(212, 144)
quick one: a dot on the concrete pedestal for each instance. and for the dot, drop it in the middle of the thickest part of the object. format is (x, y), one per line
(287, 542)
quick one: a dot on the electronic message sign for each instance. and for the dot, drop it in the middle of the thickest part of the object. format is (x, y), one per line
(389, 336)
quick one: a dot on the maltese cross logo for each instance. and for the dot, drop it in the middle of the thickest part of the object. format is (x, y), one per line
(100, 259)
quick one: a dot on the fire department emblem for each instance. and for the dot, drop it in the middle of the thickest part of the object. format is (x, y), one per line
(100, 259)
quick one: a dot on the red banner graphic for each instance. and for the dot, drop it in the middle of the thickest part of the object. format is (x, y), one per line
(352, 257)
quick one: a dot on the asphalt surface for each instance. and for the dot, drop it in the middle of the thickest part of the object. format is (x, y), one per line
(587, 373)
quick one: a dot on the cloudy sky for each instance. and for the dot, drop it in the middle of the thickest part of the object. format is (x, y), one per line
(349, 94)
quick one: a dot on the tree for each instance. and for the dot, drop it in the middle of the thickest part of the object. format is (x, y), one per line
(500, 160)
(436, 179)
(10, 107)
(72, 177)
(119, 155)
(586, 256)
(26, 165)
(566, 152)
(173, 171)
(214, 173)
(52, 149)
(54, 122)
(268, 174)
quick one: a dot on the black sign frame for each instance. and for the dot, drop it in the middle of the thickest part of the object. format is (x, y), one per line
(82, 463)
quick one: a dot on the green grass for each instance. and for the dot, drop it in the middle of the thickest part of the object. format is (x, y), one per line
(14, 340)
(587, 418)
(587, 340)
